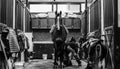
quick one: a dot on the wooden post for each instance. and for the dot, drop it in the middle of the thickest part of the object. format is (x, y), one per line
(80, 8)
(22, 54)
(116, 53)
(102, 20)
(24, 18)
(85, 18)
(89, 21)
(14, 2)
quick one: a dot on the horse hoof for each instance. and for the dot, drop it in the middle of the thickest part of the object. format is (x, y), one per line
(55, 67)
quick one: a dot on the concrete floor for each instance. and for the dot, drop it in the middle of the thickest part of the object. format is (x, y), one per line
(47, 64)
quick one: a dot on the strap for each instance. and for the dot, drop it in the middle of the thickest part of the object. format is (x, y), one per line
(2, 46)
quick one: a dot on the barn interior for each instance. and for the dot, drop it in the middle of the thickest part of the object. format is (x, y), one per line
(33, 20)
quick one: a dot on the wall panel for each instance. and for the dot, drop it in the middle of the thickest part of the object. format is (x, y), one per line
(3, 11)
(51, 21)
(41, 49)
(0, 10)
(27, 21)
(9, 13)
(76, 23)
(108, 13)
(95, 17)
(43, 23)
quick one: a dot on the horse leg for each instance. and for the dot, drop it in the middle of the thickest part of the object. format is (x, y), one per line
(55, 60)
(61, 60)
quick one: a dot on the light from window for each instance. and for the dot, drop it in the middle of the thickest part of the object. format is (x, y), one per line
(82, 7)
(41, 8)
(69, 8)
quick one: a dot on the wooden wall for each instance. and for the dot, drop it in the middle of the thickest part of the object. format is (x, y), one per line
(0, 10)
(44, 35)
(42, 26)
(3, 11)
(28, 21)
(46, 23)
(95, 16)
(108, 13)
(6, 14)
(19, 15)
(9, 13)
(40, 49)
(83, 23)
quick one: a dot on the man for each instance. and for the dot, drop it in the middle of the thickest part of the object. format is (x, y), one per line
(73, 48)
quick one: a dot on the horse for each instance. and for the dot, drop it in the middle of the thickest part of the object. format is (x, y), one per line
(59, 35)
(97, 52)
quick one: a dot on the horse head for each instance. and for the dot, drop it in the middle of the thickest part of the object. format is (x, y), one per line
(58, 19)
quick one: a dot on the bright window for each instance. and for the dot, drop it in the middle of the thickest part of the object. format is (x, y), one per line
(41, 8)
(68, 8)
(82, 7)
(61, 7)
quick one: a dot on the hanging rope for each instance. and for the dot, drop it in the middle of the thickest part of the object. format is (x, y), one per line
(2, 46)
(109, 42)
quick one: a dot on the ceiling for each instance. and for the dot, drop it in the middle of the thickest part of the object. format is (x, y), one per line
(59, 1)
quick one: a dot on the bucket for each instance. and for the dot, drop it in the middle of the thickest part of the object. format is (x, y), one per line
(44, 56)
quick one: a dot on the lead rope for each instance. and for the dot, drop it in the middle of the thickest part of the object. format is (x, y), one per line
(109, 45)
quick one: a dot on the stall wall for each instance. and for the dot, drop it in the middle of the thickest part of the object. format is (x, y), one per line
(28, 21)
(108, 13)
(95, 16)
(9, 13)
(0, 10)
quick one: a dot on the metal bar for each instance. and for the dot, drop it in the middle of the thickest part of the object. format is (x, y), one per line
(109, 28)
(102, 18)
(85, 18)
(80, 9)
(56, 2)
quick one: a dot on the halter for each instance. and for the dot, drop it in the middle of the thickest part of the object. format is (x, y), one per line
(58, 23)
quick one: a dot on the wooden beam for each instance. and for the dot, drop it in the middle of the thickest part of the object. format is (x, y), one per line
(56, 2)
